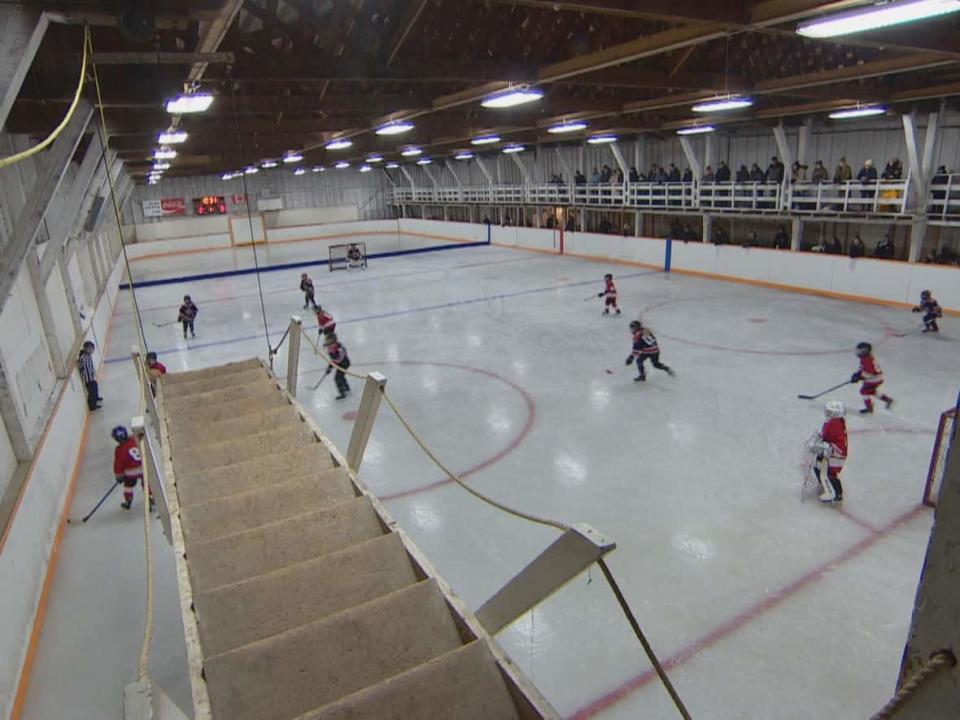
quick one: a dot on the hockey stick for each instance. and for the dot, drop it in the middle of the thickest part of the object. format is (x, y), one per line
(320, 381)
(590, 297)
(159, 325)
(828, 390)
(97, 506)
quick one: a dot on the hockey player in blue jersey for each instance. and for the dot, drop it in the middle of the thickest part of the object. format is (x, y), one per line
(645, 346)
(931, 310)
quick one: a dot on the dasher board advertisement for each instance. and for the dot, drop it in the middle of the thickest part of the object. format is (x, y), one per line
(164, 207)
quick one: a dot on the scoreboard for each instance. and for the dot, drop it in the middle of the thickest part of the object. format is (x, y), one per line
(210, 205)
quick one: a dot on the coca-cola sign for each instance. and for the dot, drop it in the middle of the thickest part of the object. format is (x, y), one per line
(164, 207)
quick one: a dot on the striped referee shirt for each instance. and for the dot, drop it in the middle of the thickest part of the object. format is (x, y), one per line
(85, 365)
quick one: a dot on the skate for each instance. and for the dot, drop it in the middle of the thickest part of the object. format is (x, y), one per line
(606, 311)
(671, 373)
(640, 378)
(866, 411)
(831, 500)
(888, 402)
(341, 396)
(618, 311)
(125, 504)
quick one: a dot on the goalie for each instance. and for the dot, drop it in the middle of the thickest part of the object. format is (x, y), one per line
(355, 258)
(829, 447)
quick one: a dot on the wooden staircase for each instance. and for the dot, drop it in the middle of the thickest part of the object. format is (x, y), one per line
(301, 599)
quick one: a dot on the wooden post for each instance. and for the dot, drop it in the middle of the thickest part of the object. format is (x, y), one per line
(366, 416)
(293, 353)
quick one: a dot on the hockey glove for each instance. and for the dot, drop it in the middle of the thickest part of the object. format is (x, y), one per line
(601, 294)
(916, 309)
(119, 478)
(329, 368)
(629, 360)
(856, 377)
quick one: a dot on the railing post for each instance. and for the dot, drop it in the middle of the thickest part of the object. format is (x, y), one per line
(293, 354)
(366, 415)
(151, 474)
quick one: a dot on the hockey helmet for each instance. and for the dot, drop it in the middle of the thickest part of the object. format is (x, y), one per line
(151, 358)
(119, 433)
(834, 409)
(608, 276)
(864, 349)
(330, 339)
(635, 325)
(925, 295)
(186, 298)
(303, 276)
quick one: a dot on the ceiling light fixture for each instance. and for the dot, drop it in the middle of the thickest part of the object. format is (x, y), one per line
(374, 159)
(161, 166)
(857, 112)
(317, 168)
(602, 139)
(267, 164)
(696, 130)
(299, 171)
(391, 166)
(342, 144)
(719, 104)
(424, 161)
(877, 16)
(365, 168)
(510, 149)
(251, 170)
(395, 128)
(485, 140)
(227, 176)
(186, 104)
(465, 155)
(172, 137)
(512, 98)
(164, 153)
(342, 164)
(292, 157)
(567, 127)
(411, 151)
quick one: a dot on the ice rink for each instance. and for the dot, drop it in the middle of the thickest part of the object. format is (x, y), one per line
(760, 605)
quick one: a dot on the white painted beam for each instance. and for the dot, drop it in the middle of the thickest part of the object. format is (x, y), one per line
(483, 168)
(524, 171)
(23, 29)
(406, 174)
(46, 313)
(563, 164)
(621, 161)
(914, 159)
(803, 141)
(692, 158)
(453, 172)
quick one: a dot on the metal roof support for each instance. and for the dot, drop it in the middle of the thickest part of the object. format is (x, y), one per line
(692, 158)
(483, 168)
(453, 172)
(524, 171)
(23, 30)
(618, 156)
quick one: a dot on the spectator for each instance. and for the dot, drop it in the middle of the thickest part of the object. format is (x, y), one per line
(688, 234)
(857, 248)
(594, 176)
(742, 174)
(798, 172)
(708, 176)
(605, 226)
(676, 230)
(885, 248)
(634, 175)
(605, 174)
(673, 175)
(756, 174)
(579, 178)
(939, 193)
(774, 171)
(819, 174)
(720, 236)
(652, 175)
(835, 248)
(893, 170)
(723, 172)
(843, 173)
(751, 240)
(619, 177)
(780, 240)
(867, 175)
(687, 176)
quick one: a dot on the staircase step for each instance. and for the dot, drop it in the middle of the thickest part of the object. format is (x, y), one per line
(241, 613)
(192, 420)
(289, 674)
(217, 382)
(242, 555)
(264, 505)
(242, 449)
(199, 403)
(232, 427)
(192, 375)
(253, 474)
(464, 684)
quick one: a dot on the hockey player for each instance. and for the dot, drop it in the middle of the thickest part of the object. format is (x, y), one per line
(127, 464)
(610, 292)
(339, 359)
(645, 346)
(872, 377)
(187, 314)
(155, 369)
(325, 322)
(306, 285)
(931, 309)
(830, 446)
(354, 257)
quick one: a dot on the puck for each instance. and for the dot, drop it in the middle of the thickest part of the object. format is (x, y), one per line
(609, 371)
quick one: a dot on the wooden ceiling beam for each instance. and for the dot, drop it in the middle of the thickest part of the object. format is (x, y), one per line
(685, 11)
(405, 24)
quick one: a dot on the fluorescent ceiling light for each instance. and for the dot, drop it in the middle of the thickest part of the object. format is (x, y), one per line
(161, 166)
(485, 140)
(268, 164)
(172, 138)
(509, 149)
(342, 164)
(164, 153)
(299, 171)
(720, 104)
(424, 161)
(465, 155)
(875, 17)
(339, 144)
(567, 127)
(391, 166)
(251, 170)
(318, 168)
(395, 128)
(696, 130)
(411, 152)
(292, 157)
(365, 168)
(858, 112)
(185, 104)
(151, 181)
(512, 98)
(374, 159)
(226, 176)
(602, 139)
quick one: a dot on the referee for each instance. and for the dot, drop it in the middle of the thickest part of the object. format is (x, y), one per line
(89, 375)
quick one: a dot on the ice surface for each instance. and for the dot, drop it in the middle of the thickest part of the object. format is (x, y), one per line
(765, 606)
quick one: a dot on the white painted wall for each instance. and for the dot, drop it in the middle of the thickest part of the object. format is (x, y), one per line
(8, 461)
(60, 307)
(171, 228)
(311, 216)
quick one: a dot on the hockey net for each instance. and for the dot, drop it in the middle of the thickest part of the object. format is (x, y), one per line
(348, 256)
(946, 432)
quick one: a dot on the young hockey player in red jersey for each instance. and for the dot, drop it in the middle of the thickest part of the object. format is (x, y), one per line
(326, 322)
(155, 369)
(339, 359)
(187, 314)
(610, 292)
(830, 445)
(306, 285)
(872, 377)
(645, 346)
(931, 309)
(127, 464)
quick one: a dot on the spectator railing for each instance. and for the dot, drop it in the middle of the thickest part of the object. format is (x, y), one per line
(880, 197)
(943, 201)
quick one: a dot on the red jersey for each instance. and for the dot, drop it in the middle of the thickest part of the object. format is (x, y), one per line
(870, 371)
(126, 460)
(157, 369)
(610, 290)
(834, 433)
(325, 321)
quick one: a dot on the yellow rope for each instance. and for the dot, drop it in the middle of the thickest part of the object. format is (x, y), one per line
(938, 660)
(45, 143)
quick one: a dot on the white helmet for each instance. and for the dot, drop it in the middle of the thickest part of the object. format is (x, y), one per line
(834, 409)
